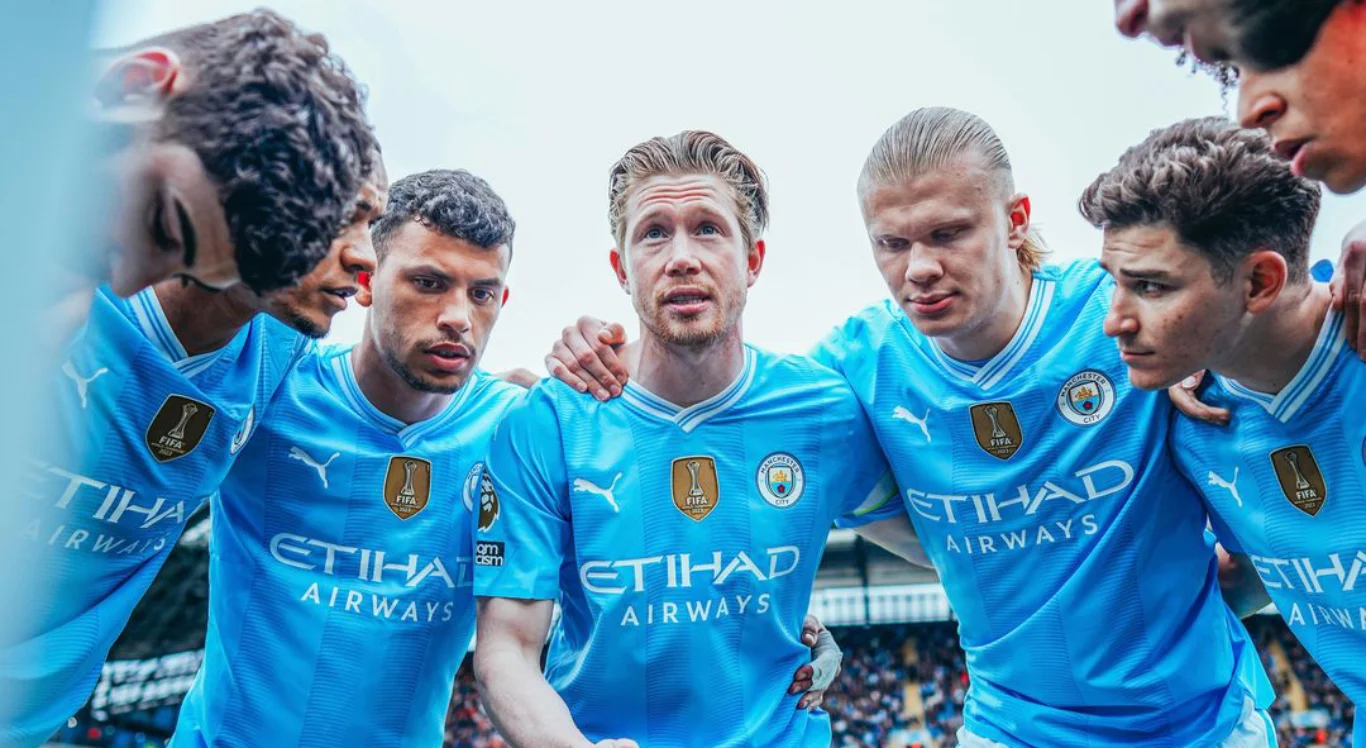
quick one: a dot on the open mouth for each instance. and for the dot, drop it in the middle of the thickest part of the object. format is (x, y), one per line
(687, 300)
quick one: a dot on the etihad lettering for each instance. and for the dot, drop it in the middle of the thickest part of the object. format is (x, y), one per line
(1095, 482)
(685, 570)
(1057, 531)
(366, 564)
(379, 606)
(116, 504)
(1327, 575)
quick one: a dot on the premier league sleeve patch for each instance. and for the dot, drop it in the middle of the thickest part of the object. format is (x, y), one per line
(781, 480)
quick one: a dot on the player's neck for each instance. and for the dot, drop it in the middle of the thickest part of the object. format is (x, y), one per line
(686, 375)
(1279, 341)
(985, 341)
(386, 390)
(202, 320)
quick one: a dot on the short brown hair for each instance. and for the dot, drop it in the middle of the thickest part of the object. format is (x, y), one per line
(934, 137)
(1221, 188)
(691, 152)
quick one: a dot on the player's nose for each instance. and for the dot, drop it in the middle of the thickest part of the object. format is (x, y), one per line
(359, 256)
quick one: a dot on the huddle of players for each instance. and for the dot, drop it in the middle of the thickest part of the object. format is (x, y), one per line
(1048, 479)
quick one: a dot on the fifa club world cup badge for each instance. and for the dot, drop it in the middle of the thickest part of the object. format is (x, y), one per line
(488, 502)
(407, 485)
(996, 428)
(178, 427)
(781, 480)
(1301, 480)
(696, 490)
(1086, 398)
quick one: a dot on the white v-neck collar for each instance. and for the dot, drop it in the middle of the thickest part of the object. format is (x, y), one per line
(689, 418)
(1292, 398)
(989, 373)
(151, 319)
(407, 433)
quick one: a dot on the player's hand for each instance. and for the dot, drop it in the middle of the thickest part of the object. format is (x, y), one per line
(816, 677)
(519, 376)
(1184, 398)
(585, 358)
(1349, 285)
(616, 743)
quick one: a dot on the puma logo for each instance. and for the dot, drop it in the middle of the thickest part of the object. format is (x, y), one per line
(305, 458)
(584, 486)
(901, 414)
(82, 383)
(1228, 485)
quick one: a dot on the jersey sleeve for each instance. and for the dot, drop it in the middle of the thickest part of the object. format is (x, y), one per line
(522, 533)
(869, 492)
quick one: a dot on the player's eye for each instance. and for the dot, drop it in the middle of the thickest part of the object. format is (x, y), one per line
(708, 229)
(482, 295)
(944, 236)
(425, 283)
(893, 244)
(1148, 288)
(654, 233)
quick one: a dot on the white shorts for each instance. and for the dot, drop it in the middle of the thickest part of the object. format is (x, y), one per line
(1254, 730)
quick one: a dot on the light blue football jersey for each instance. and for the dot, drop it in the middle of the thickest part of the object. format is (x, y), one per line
(681, 544)
(141, 434)
(1286, 484)
(340, 586)
(1070, 547)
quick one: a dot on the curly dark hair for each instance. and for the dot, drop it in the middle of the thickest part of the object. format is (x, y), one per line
(279, 123)
(453, 202)
(1221, 188)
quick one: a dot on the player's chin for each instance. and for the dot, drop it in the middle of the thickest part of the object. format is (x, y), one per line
(1155, 377)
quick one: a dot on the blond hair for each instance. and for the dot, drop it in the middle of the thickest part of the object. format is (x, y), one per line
(934, 137)
(691, 152)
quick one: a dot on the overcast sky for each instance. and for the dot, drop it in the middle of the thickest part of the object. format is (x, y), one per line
(540, 98)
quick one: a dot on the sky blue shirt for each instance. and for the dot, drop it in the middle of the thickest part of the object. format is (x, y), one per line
(340, 586)
(1070, 547)
(681, 544)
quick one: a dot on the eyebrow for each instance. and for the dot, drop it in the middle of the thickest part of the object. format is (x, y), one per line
(191, 243)
(1143, 274)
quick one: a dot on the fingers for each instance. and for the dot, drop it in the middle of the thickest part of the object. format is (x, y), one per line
(801, 680)
(1349, 283)
(587, 360)
(811, 627)
(614, 336)
(825, 663)
(555, 365)
(812, 700)
(1184, 398)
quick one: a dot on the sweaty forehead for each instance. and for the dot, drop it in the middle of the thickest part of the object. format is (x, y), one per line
(678, 192)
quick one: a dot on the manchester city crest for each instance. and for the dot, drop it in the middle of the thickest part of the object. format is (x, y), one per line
(781, 480)
(1086, 398)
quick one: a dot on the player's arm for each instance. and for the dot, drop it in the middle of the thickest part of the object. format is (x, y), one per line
(897, 535)
(514, 692)
(1241, 586)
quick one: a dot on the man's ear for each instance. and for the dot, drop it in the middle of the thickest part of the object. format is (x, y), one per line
(143, 78)
(366, 296)
(1266, 274)
(618, 259)
(1020, 210)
